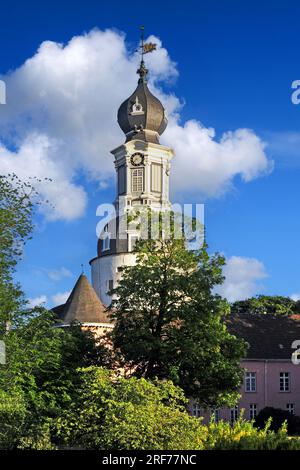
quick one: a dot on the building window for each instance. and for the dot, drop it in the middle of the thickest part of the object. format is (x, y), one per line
(234, 414)
(138, 180)
(132, 239)
(284, 381)
(252, 411)
(196, 411)
(290, 408)
(106, 239)
(122, 179)
(250, 382)
(216, 415)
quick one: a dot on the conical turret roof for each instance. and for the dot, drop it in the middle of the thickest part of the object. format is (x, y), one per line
(83, 305)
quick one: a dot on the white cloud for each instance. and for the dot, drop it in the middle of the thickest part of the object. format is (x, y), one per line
(59, 274)
(60, 298)
(60, 122)
(242, 278)
(34, 158)
(295, 297)
(36, 301)
(284, 147)
(209, 166)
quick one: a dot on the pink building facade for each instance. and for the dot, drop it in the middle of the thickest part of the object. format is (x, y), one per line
(271, 379)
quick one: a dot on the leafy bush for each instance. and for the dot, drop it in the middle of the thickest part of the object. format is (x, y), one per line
(278, 418)
(242, 435)
(12, 418)
(118, 413)
(126, 414)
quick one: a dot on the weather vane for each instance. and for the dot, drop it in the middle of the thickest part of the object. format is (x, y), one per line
(145, 48)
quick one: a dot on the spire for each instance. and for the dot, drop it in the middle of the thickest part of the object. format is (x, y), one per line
(142, 72)
(145, 48)
(142, 116)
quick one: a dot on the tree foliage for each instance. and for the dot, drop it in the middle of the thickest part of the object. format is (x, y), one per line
(278, 418)
(16, 208)
(112, 412)
(266, 305)
(169, 323)
(41, 374)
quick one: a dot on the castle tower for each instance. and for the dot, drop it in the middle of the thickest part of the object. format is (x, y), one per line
(142, 168)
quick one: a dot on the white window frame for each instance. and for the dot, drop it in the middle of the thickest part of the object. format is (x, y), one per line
(234, 414)
(137, 180)
(284, 382)
(291, 408)
(196, 411)
(106, 239)
(252, 411)
(132, 239)
(216, 414)
(250, 382)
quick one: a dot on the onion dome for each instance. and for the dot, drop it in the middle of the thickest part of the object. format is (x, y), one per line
(142, 116)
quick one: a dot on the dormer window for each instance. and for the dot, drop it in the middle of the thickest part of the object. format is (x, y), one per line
(136, 108)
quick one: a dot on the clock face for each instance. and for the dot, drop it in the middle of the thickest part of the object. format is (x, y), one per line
(137, 159)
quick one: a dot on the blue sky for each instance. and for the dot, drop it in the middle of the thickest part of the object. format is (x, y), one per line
(235, 62)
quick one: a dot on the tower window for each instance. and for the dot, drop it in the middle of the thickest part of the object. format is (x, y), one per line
(122, 179)
(137, 180)
(106, 239)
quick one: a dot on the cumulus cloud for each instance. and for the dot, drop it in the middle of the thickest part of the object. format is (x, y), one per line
(60, 297)
(36, 301)
(60, 122)
(59, 274)
(295, 297)
(209, 166)
(242, 278)
(34, 158)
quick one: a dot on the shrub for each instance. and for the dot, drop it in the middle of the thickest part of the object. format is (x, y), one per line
(12, 418)
(117, 413)
(278, 418)
(242, 435)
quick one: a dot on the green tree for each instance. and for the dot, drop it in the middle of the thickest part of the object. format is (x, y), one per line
(265, 305)
(42, 360)
(16, 209)
(117, 413)
(41, 375)
(169, 323)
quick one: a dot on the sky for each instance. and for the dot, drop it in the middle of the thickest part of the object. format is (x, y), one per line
(224, 71)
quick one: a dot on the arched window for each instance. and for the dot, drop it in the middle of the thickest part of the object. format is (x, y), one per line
(106, 239)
